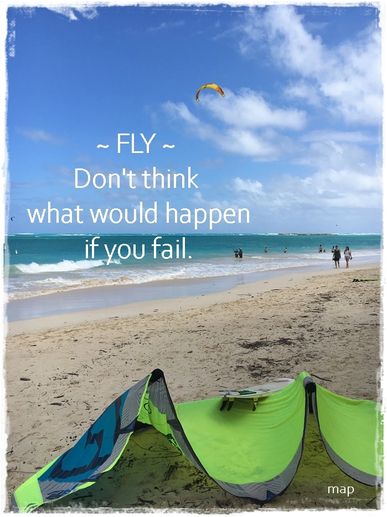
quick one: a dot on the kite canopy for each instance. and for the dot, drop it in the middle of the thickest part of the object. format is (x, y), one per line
(351, 433)
(212, 86)
(248, 452)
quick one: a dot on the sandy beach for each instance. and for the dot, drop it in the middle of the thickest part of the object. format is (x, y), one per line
(62, 371)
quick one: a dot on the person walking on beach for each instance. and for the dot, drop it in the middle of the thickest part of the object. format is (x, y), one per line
(347, 256)
(336, 256)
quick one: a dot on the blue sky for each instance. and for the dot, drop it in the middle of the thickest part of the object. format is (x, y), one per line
(296, 138)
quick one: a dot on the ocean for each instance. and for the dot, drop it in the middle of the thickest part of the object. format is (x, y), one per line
(38, 264)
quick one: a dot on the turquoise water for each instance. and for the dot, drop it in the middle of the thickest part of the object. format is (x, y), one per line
(43, 264)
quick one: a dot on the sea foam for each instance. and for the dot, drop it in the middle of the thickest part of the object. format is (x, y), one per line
(59, 267)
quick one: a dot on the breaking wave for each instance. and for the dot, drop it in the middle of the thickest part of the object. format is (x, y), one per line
(59, 267)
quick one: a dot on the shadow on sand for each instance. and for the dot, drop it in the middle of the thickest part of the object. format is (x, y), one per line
(152, 474)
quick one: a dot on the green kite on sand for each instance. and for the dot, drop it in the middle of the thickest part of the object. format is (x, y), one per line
(249, 450)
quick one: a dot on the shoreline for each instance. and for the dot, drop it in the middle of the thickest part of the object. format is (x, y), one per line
(49, 276)
(165, 304)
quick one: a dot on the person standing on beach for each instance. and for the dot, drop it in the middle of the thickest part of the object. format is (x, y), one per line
(347, 256)
(336, 256)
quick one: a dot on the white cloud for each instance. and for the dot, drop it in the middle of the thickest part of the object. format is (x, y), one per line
(331, 188)
(245, 123)
(247, 143)
(346, 77)
(336, 154)
(343, 176)
(180, 110)
(230, 139)
(337, 190)
(39, 135)
(166, 26)
(248, 109)
(295, 47)
(304, 91)
(337, 136)
(74, 14)
(324, 199)
(252, 187)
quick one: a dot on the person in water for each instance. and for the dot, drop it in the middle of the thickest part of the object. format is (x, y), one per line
(240, 253)
(285, 250)
(265, 249)
(336, 256)
(320, 250)
(347, 256)
(236, 253)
